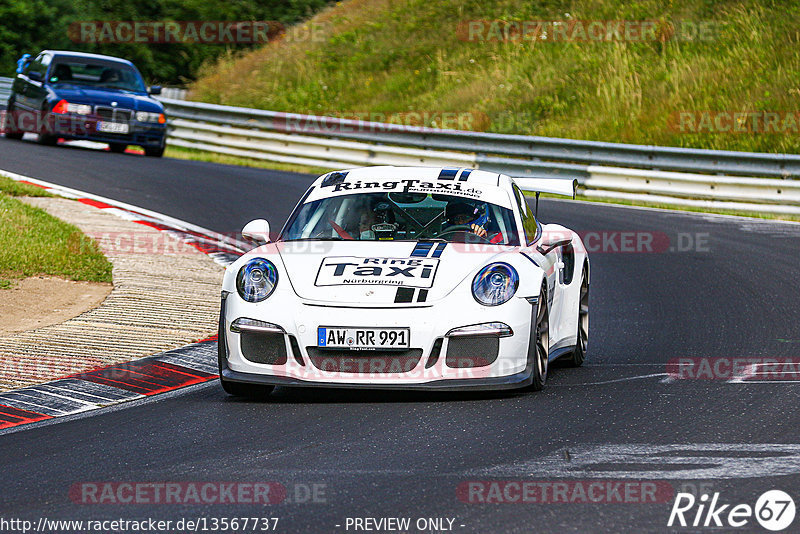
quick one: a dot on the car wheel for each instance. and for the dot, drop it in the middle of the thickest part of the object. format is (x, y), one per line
(577, 356)
(46, 139)
(10, 124)
(239, 389)
(117, 148)
(541, 352)
(154, 152)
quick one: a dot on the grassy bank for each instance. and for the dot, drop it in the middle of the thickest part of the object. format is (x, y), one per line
(32, 242)
(381, 56)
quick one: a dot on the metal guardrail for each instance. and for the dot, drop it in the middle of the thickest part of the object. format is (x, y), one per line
(512, 148)
(5, 89)
(744, 181)
(752, 181)
(174, 93)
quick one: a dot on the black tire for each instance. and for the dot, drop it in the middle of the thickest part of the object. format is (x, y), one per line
(47, 140)
(154, 152)
(577, 357)
(541, 351)
(44, 138)
(117, 148)
(11, 124)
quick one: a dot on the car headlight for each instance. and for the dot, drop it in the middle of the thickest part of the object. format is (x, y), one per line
(68, 107)
(146, 116)
(256, 280)
(80, 109)
(495, 284)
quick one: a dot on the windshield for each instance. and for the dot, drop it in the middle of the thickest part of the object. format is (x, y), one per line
(105, 74)
(403, 217)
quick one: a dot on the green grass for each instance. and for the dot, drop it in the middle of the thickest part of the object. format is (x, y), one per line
(18, 189)
(32, 242)
(202, 155)
(406, 55)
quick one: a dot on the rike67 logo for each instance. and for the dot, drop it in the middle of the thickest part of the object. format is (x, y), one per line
(774, 510)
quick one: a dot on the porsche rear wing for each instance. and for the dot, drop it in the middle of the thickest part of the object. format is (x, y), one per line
(555, 186)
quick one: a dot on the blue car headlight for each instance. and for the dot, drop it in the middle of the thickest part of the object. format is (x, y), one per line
(256, 280)
(146, 116)
(495, 284)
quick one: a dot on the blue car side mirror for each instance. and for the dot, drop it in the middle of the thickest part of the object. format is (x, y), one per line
(155, 90)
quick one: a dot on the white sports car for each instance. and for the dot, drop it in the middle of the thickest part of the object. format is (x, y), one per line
(406, 277)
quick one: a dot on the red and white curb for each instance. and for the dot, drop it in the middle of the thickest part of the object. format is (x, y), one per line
(105, 386)
(98, 388)
(221, 248)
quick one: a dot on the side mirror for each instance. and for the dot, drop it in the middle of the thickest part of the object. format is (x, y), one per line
(35, 76)
(154, 90)
(257, 232)
(552, 241)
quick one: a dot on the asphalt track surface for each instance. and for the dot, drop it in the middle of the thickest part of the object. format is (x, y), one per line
(396, 454)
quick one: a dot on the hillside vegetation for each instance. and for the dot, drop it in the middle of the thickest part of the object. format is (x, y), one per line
(29, 26)
(701, 60)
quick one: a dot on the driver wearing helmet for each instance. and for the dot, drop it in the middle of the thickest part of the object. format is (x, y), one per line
(23, 62)
(461, 213)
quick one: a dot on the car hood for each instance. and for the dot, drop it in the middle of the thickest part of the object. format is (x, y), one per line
(96, 96)
(373, 273)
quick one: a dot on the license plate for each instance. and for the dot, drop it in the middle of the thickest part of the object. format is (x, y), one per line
(363, 338)
(112, 127)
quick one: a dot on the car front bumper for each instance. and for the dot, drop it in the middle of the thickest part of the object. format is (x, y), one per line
(85, 128)
(434, 360)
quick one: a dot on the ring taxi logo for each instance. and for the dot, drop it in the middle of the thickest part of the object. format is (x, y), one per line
(349, 270)
(774, 510)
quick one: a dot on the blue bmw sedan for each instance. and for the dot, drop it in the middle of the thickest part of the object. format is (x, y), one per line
(73, 95)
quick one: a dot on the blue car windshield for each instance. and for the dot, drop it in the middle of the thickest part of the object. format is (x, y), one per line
(106, 74)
